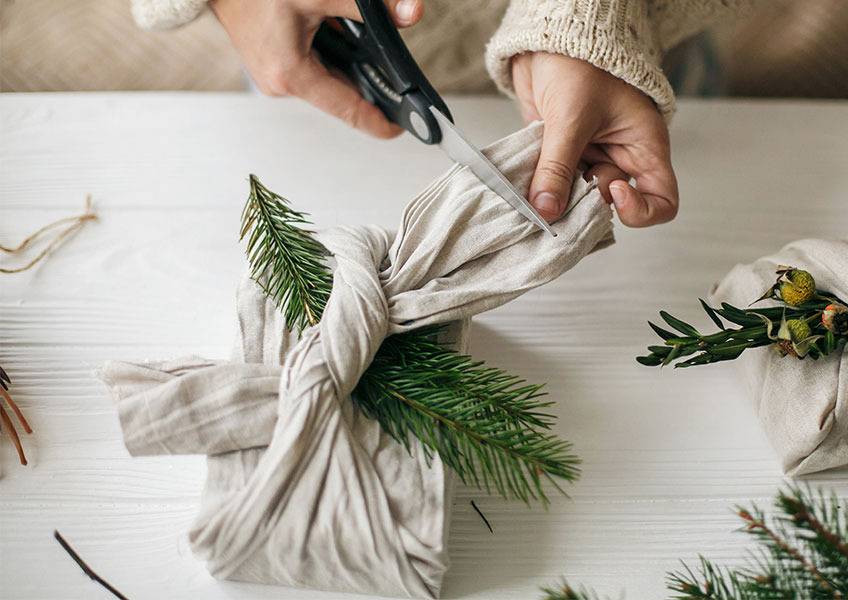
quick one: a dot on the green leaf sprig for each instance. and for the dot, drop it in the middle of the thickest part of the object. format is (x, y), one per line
(808, 322)
(487, 425)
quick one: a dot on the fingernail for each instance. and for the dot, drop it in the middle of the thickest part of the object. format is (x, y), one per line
(618, 194)
(405, 10)
(547, 203)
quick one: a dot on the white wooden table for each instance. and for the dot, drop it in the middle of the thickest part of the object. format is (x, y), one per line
(666, 453)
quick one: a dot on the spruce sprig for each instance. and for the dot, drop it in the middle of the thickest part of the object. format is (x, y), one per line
(284, 259)
(488, 426)
(802, 555)
(564, 591)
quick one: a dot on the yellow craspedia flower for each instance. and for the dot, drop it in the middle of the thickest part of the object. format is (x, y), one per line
(798, 330)
(797, 287)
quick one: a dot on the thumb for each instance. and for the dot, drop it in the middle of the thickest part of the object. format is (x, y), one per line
(404, 12)
(562, 145)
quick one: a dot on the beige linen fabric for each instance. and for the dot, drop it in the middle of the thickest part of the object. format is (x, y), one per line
(302, 490)
(802, 404)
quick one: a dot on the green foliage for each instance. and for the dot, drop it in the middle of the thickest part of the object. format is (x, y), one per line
(563, 591)
(802, 555)
(757, 329)
(487, 425)
(285, 259)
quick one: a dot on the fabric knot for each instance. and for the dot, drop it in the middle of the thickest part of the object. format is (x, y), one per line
(355, 321)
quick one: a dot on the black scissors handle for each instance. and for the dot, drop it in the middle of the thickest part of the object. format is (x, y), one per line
(373, 55)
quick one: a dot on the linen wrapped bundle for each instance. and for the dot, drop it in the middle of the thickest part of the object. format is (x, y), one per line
(802, 404)
(302, 490)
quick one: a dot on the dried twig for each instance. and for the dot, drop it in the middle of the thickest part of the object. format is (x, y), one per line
(482, 516)
(85, 568)
(7, 421)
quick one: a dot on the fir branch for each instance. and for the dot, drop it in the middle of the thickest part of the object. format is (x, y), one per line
(708, 583)
(480, 421)
(564, 591)
(285, 260)
(803, 555)
(488, 426)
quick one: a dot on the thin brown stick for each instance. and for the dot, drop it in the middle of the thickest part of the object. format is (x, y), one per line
(7, 423)
(482, 516)
(78, 223)
(85, 568)
(16, 410)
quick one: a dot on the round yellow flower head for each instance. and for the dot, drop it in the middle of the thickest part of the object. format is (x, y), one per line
(798, 330)
(797, 287)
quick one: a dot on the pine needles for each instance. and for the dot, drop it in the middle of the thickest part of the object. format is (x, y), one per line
(486, 425)
(802, 555)
(284, 259)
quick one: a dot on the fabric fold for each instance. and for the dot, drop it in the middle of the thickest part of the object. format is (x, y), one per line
(302, 489)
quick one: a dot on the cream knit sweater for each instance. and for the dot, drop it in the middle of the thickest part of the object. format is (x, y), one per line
(627, 38)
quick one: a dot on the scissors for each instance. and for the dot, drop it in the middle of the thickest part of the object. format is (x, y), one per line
(373, 55)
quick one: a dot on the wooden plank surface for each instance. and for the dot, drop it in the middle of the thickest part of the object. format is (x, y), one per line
(666, 454)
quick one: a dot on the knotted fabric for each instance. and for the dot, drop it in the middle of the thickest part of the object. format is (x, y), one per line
(302, 489)
(802, 404)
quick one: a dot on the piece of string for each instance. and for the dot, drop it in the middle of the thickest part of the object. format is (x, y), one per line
(76, 223)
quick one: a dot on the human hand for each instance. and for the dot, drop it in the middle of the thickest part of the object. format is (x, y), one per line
(599, 123)
(274, 39)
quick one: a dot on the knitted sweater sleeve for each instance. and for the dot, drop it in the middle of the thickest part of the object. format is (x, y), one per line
(626, 38)
(165, 14)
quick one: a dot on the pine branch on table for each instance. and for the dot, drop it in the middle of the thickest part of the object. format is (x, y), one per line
(564, 591)
(802, 555)
(488, 426)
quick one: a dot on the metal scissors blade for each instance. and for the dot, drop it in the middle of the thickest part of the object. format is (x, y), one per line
(464, 152)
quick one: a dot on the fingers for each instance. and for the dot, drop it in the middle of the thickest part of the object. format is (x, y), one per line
(638, 209)
(404, 12)
(562, 144)
(341, 99)
(522, 81)
(654, 200)
(606, 174)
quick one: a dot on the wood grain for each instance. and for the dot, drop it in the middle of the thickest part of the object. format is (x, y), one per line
(665, 454)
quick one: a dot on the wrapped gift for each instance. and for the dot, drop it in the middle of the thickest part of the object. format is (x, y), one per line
(802, 404)
(302, 489)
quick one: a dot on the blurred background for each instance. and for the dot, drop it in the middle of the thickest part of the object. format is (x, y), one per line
(787, 48)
